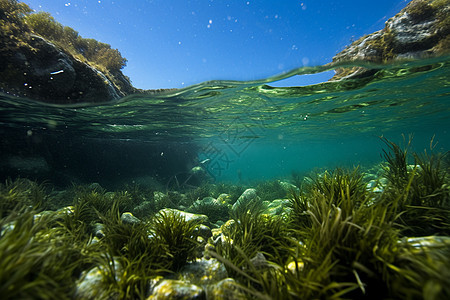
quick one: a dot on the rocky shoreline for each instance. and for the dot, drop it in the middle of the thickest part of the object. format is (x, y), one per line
(43, 60)
(33, 67)
(420, 30)
(43, 71)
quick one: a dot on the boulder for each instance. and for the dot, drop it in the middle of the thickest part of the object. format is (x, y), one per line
(278, 207)
(187, 216)
(128, 218)
(176, 289)
(227, 288)
(204, 272)
(247, 196)
(420, 30)
(42, 71)
(90, 286)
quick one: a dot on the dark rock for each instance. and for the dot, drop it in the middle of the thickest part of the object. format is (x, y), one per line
(420, 30)
(204, 231)
(42, 71)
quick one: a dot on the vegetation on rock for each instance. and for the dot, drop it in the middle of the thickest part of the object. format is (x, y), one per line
(18, 21)
(420, 30)
(96, 53)
(35, 45)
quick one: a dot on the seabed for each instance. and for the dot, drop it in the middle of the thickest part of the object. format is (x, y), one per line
(344, 233)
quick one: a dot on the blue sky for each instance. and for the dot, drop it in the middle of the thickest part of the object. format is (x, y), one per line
(177, 43)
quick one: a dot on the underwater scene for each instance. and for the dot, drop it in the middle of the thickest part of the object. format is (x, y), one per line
(230, 189)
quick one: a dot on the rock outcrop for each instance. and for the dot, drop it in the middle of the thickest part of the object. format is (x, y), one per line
(420, 30)
(42, 71)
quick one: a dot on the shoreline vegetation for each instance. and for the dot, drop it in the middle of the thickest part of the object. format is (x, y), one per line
(338, 234)
(43, 60)
(23, 22)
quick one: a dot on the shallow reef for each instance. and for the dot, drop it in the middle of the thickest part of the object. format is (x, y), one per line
(337, 234)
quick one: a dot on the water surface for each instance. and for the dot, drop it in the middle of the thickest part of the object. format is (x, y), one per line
(245, 130)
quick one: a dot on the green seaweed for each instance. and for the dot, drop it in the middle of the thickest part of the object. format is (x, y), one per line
(251, 232)
(20, 195)
(38, 261)
(214, 210)
(124, 279)
(396, 166)
(425, 272)
(132, 256)
(338, 240)
(346, 243)
(177, 235)
(131, 241)
(271, 190)
(421, 188)
(339, 185)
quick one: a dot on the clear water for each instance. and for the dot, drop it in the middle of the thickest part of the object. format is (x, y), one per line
(247, 131)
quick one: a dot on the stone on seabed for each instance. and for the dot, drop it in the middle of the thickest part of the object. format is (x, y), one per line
(226, 289)
(176, 289)
(247, 196)
(204, 271)
(88, 285)
(188, 216)
(128, 218)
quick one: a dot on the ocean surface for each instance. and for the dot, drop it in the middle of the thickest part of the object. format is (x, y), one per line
(237, 131)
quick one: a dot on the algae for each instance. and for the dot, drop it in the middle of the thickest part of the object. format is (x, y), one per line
(340, 238)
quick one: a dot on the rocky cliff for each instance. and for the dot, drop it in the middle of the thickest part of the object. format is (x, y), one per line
(42, 71)
(420, 30)
(43, 60)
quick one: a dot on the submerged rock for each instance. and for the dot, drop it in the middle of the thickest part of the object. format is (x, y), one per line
(259, 261)
(159, 196)
(289, 187)
(143, 209)
(204, 231)
(247, 196)
(224, 199)
(128, 218)
(204, 272)
(188, 216)
(91, 284)
(226, 289)
(377, 185)
(295, 266)
(176, 289)
(278, 207)
(99, 230)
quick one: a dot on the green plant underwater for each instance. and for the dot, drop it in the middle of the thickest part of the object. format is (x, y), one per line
(346, 241)
(338, 239)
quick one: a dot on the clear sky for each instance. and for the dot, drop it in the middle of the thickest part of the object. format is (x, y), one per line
(176, 43)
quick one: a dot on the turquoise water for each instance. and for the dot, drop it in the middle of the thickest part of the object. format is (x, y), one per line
(237, 131)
